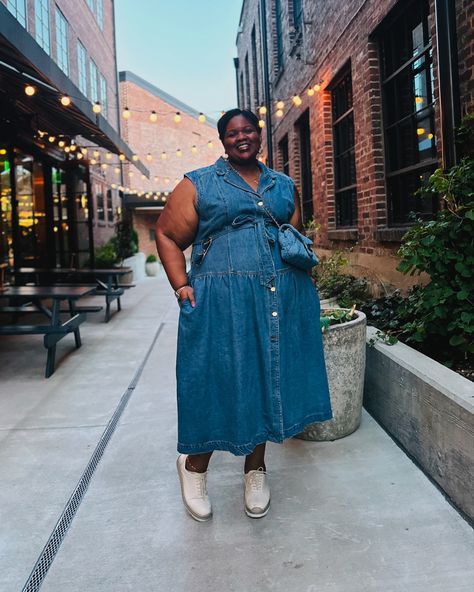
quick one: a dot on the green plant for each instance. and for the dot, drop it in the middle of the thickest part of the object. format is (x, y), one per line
(105, 255)
(311, 226)
(151, 259)
(126, 238)
(336, 316)
(331, 282)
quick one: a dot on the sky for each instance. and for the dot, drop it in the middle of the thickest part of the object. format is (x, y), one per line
(184, 47)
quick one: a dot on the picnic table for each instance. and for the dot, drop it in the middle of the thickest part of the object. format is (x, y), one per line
(45, 300)
(107, 281)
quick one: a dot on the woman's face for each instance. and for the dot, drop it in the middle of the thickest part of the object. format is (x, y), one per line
(241, 140)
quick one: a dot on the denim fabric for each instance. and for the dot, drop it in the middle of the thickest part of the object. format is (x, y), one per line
(250, 365)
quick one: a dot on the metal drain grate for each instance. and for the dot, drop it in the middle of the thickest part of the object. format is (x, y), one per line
(48, 554)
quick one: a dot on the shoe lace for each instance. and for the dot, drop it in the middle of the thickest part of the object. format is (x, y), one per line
(257, 480)
(201, 484)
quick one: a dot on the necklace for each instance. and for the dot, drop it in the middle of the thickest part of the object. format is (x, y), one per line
(253, 179)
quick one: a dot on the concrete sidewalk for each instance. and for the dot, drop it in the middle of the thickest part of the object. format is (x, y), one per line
(355, 515)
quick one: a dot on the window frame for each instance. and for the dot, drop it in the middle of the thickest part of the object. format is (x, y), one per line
(94, 81)
(82, 73)
(62, 41)
(43, 25)
(13, 8)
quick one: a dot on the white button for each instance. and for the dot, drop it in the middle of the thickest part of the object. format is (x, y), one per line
(274, 313)
(273, 289)
(259, 203)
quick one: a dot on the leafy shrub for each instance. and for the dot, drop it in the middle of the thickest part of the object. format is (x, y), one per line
(151, 258)
(331, 282)
(106, 255)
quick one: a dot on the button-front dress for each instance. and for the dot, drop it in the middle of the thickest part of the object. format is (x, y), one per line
(250, 364)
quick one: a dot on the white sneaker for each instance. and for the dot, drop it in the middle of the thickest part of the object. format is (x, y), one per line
(257, 494)
(194, 491)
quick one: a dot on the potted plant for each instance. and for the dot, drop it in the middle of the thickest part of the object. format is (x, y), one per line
(151, 265)
(344, 342)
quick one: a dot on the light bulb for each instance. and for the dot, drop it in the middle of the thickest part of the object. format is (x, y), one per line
(317, 87)
(93, 161)
(210, 145)
(130, 173)
(121, 156)
(167, 180)
(65, 101)
(114, 185)
(279, 112)
(108, 156)
(96, 107)
(51, 139)
(156, 179)
(61, 143)
(153, 117)
(201, 118)
(143, 177)
(149, 157)
(430, 136)
(418, 100)
(126, 113)
(297, 100)
(117, 170)
(84, 151)
(67, 149)
(164, 156)
(104, 166)
(73, 147)
(310, 92)
(262, 110)
(179, 153)
(134, 158)
(177, 117)
(79, 155)
(261, 123)
(30, 90)
(420, 131)
(194, 149)
(280, 104)
(96, 154)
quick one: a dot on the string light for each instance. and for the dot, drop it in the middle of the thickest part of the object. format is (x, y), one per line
(134, 158)
(104, 166)
(164, 156)
(430, 136)
(65, 100)
(117, 170)
(156, 179)
(130, 173)
(167, 180)
(96, 107)
(79, 156)
(177, 117)
(261, 123)
(51, 139)
(280, 104)
(194, 150)
(201, 118)
(108, 156)
(279, 112)
(310, 92)
(420, 131)
(93, 161)
(67, 149)
(297, 100)
(122, 157)
(418, 100)
(149, 157)
(179, 153)
(126, 113)
(210, 144)
(84, 151)
(153, 117)
(262, 110)
(30, 90)
(73, 147)
(317, 87)
(96, 154)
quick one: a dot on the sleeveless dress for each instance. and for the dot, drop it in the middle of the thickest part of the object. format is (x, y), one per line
(250, 365)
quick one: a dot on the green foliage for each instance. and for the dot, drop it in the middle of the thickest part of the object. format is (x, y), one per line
(331, 282)
(336, 316)
(443, 316)
(106, 255)
(151, 259)
(126, 238)
(311, 226)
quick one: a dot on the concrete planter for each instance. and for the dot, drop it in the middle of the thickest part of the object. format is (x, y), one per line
(429, 410)
(152, 268)
(329, 303)
(344, 352)
(137, 263)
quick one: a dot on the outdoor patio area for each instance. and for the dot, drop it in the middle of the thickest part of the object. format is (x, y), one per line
(354, 515)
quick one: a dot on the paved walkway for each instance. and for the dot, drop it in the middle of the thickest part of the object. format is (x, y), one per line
(354, 515)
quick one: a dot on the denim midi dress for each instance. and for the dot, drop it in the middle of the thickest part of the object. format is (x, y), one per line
(250, 365)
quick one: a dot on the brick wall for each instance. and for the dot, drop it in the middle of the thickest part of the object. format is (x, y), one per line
(335, 34)
(146, 137)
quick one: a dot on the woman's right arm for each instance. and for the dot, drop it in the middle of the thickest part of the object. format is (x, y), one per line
(175, 231)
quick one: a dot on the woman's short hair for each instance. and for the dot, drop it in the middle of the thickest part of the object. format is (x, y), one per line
(228, 115)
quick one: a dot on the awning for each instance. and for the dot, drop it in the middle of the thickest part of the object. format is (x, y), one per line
(155, 201)
(23, 61)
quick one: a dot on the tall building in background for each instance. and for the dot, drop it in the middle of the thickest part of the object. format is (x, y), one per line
(171, 138)
(61, 154)
(361, 101)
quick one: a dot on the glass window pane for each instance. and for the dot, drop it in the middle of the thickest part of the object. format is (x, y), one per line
(42, 24)
(18, 9)
(82, 67)
(62, 42)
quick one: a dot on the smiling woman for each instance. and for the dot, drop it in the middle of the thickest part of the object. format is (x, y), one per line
(247, 317)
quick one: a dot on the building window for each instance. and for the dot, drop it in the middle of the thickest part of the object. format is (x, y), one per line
(103, 95)
(110, 207)
(82, 68)
(304, 133)
(42, 24)
(344, 153)
(151, 234)
(256, 94)
(18, 9)
(248, 104)
(100, 203)
(284, 155)
(99, 13)
(407, 85)
(94, 73)
(90, 4)
(62, 53)
(297, 10)
(278, 35)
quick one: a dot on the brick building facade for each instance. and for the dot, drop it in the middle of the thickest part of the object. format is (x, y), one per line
(62, 173)
(168, 148)
(361, 120)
